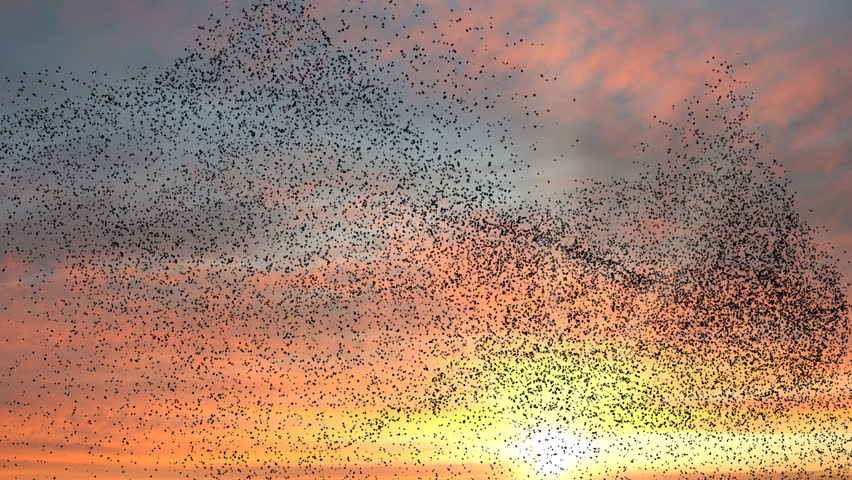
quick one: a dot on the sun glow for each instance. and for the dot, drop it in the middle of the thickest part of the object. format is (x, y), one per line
(553, 451)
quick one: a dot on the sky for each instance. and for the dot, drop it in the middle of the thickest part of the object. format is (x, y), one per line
(624, 60)
(408, 239)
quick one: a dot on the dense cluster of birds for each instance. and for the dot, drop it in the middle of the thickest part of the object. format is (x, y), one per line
(290, 220)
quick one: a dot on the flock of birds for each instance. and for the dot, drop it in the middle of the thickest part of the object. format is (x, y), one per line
(263, 259)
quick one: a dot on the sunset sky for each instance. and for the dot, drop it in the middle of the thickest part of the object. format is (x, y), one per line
(362, 269)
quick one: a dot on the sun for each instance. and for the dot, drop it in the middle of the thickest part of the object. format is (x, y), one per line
(552, 451)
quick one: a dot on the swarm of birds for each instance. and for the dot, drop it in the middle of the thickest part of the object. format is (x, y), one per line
(290, 220)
